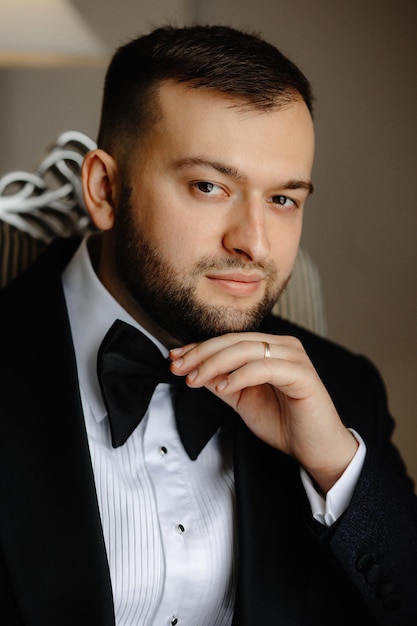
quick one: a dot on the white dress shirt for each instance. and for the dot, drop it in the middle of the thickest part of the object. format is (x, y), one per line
(168, 522)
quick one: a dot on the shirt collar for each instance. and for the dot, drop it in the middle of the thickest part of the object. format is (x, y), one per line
(92, 310)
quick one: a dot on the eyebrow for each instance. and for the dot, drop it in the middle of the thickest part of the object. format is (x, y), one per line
(189, 162)
(234, 173)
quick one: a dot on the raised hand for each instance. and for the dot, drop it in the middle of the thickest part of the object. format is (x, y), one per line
(271, 383)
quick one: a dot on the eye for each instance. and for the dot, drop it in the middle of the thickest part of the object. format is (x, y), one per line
(207, 188)
(283, 201)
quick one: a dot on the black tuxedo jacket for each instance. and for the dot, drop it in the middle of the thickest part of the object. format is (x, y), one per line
(292, 571)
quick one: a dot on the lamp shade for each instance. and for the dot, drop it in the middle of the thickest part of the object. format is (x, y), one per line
(46, 32)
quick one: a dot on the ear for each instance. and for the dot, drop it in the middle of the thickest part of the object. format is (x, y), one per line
(99, 176)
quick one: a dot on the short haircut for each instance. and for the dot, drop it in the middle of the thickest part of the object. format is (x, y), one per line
(239, 64)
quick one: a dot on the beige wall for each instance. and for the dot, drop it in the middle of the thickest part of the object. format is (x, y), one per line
(361, 223)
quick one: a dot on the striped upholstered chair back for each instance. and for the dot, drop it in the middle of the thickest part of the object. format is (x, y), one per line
(37, 207)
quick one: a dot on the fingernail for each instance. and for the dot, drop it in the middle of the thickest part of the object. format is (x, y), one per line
(177, 363)
(175, 352)
(222, 384)
(192, 375)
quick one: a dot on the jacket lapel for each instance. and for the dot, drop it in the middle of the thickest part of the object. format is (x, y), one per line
(56, 550)
(270, 508)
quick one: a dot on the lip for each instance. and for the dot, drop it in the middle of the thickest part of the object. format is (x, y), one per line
(236, 283)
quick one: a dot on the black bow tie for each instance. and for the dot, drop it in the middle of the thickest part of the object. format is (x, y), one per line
(129, 368)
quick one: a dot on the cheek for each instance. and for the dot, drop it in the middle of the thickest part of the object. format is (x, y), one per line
(183, 240)
(284, 246)
(162, 220)
(174, 242)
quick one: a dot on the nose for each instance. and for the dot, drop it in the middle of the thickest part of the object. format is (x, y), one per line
(246, 235)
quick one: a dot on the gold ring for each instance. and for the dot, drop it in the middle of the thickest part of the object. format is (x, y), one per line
(267, 350)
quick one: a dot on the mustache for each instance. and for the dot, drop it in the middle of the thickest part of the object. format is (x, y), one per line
(233, 263)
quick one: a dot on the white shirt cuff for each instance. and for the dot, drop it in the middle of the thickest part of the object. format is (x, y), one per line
(327, 510)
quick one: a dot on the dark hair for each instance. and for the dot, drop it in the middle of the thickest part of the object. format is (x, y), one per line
(221, 58)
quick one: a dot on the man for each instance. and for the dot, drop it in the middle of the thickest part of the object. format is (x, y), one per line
(293, 507)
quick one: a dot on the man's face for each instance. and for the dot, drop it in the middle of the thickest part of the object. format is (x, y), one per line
(207, 234)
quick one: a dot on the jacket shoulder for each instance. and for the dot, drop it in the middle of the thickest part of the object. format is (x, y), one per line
(31, 294)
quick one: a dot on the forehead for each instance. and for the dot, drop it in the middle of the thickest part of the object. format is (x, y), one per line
(206, 123)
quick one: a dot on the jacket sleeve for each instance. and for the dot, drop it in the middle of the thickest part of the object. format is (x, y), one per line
(375, 541)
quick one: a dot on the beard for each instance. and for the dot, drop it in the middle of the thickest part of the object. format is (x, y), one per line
(170, 298)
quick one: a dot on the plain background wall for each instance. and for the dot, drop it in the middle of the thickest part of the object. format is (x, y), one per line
(361, 222)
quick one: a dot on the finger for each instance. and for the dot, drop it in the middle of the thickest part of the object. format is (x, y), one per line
(194, 354)
(203, 367)
(294, 380)
(213, 357)
(177, 354)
